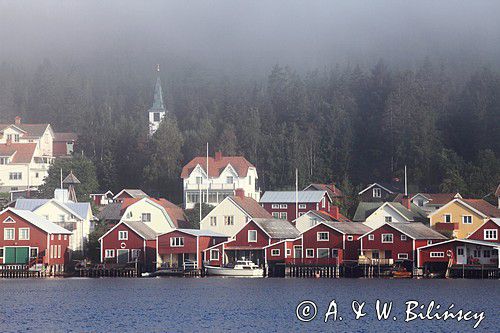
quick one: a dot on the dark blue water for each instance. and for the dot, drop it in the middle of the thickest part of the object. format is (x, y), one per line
(230, 304)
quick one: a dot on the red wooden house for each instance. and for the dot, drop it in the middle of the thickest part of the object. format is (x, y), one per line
(32, 240)
(489, 231)
(181, 247)
(251, 241)
(128, 242)
(392, 242)
(282, 204)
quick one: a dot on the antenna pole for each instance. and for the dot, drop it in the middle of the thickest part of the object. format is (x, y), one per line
(406, 184)
(296, 193)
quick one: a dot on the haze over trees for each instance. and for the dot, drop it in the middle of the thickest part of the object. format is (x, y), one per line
(340, 103)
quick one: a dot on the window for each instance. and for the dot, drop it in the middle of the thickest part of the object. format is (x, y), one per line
(122, 235)
(146, 217)
(301, 213)
(490, 234)
(276, 215)
(388, 219)
(460, 251)
(375, 254)
(213, 221)
(322, 236)
(429, 242)
(283, 216)
(275, 206)
(109, 253)
(176, 241)
(214, 254)
(377, 192)
(37, 175)
(403, 237)
(467, 219)
(156, 117)
(136, 254)
(486, 253)
(58, 251)
(477, 254)
(4, 160)
(24, 233)
(275, 252)
(283, 206)
(437, 254)
(229, 220)
(387, 238)
(51, 237)
(15, 175)
(335, 253)
(249, 180)
(9, 220)
(60, 237)
(33, 252)
(61, 218)
(288, 252)
(1, 252)
(309, 253)
(323, 202)
(371, 237)
(420, 202)
(229, 179)
(252, 236)
(9, 234)
(302, 206)
(402, 255)
(350, 238)
(447, 218)
(199, 180)
(323, 253)
(16, 137)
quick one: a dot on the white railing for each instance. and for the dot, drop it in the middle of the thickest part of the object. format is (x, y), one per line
(210, 187)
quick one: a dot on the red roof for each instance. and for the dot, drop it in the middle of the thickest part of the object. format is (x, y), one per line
(332, 190)
(175, 213)
(23, 152)
(251, 207)
(216, 166)
(330, 217)
(434, 198)
(65, 136)
(483, 206)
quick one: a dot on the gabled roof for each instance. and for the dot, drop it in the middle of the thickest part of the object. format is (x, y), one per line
(414, 230)
(289, 196)
(79, 209)
(348, 228)
(38, 221)
(494, 220)
(251, 207)
(462, 240)
(327, 217)
(68, 136)
(174, 212)
(198, 232)
(133, 193)
(333, 191)
(434, 198)
(34, 131)
(478, 206)
(216, 166)
(20, 152)
(275, 228)
(139, 228)
(365, 209)
(391, 188)
(111, 211)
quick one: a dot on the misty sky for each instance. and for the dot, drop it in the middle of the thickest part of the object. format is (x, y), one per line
(250, 35)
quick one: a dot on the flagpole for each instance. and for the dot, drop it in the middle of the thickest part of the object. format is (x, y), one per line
(296, 193)
(406, 184)
(208, 175)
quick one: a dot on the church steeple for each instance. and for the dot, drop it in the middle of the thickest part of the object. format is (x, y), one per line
(157, 111)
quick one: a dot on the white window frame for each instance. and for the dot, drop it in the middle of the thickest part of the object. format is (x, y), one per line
(438, 254)
(275, 252)
(122, 235)
(109, 253)
(283, 216)
(276, 215)
(323, 249)
(403, 256)
(318, 236)
(20, 232)
(377, 192)
(403, 237)
(444, 218)
(7, 231)
(302, 206)
(387, 242)
(249, 238)
(308, 255)
(494, 233)
(463, 219)
(176, 241)
(212, 256)
(230, 180)
(275, 206)
(229, 220)
(213, 221)
(146, 215)
(371, 237)
(288, 252)
(350, 238)
(283, 206)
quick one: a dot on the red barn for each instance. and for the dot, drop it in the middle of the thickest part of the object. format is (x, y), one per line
(251, 241)
(282, 204)
(397, 241)
(128, 242)
(488, 232)
(32, 240)
(178, 246)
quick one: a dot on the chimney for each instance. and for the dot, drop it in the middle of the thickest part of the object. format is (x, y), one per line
(17, 120)
(334, 211)
(240, 193)
(406, 202)
(218, 155)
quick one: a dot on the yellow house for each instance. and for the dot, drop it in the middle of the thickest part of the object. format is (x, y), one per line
(461, 217)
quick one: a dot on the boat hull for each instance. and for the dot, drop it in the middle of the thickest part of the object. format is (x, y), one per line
(222, 271)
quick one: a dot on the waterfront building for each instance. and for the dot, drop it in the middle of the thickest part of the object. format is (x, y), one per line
(313, 217)
(225, 175)
(489, 231)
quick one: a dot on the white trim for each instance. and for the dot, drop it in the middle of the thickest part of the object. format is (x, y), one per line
(436, 254)
(9, 218)
(106, 256)
(463, 219)
(310, 249)
(248, 236)
(386, 242)
(459, 201)
(403, 237)
(322, 248)
(371, 237)
(176, 241)
(370, 186)
(318, 238)
(214, 251)
(274, 253)
(350, 238)
(495, 231)
(122, 250)
(19, 233)
(122, 234)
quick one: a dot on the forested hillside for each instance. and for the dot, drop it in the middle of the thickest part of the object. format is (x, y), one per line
(350, 124)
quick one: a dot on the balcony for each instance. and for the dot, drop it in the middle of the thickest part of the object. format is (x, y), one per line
(443, 226)
(212, 186)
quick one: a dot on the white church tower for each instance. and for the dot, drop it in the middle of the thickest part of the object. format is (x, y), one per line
(157, 111)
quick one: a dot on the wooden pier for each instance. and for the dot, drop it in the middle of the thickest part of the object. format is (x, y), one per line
(12, 271)
(96, 272)
(474, 272)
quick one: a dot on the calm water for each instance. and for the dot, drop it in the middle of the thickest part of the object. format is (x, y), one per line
(230, 304)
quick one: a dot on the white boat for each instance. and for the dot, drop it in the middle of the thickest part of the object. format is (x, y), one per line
(241, 268)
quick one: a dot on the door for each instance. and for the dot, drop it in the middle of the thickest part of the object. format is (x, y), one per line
(297, 252)
(122, 256)
(16, 255)
(461, 258)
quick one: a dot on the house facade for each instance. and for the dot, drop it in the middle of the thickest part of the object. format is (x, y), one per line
(461, 217)
(229, 216)
(225, 175)
(488, 232)
(375, 214)
(282, 204)
(28, 239)
(380, 192)
(313, 217)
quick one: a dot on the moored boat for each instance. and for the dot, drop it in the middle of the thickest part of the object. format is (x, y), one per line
(242, 268)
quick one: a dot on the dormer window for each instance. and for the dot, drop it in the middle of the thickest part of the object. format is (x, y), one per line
(377, 192)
